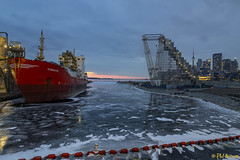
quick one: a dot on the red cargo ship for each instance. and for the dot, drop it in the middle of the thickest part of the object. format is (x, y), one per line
(41, 81)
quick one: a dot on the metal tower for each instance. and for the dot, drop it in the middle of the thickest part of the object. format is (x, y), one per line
(193, 58)
(170, 67)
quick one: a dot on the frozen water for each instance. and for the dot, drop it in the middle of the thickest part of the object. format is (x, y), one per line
(113, 115)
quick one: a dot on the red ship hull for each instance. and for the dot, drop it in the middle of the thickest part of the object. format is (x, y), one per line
(41, 81)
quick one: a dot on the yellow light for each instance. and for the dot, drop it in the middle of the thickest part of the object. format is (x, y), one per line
(5, 46)
(204, 78)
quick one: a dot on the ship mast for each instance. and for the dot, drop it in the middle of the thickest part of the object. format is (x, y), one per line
(41, 57)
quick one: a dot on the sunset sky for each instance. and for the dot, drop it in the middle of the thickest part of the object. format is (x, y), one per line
(109, 32)
(95, 75)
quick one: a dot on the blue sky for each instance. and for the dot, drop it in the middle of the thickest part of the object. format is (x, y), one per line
(108, 32)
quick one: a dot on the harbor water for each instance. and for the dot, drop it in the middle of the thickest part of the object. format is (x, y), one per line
(114, 116)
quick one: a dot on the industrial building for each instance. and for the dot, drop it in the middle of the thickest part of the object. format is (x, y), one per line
(7, 51)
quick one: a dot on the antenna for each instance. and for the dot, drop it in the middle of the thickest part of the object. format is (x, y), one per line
(193, 58)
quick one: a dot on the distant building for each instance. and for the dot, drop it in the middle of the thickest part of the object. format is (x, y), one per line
(207, 66)
(234, 66)
(205, 71)
(217, 62)
(217, 66)
(226, 65)
(199, 65)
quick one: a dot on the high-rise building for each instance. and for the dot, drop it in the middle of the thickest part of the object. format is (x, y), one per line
(199, 65)
(226, 65)
(217, 62)
(207, 64)
(205, 70)
(206, 67)
(234, 65)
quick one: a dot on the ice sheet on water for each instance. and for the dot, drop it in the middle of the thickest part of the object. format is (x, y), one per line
(225, 123)
(169, 111)
(190, 135)
(113, 118)
(140, 135)
(176, 129)
(208, 122)
(44, 150)
(113, 129)
(62, 113)
(133, 117)
(190, 148)
(164, 119)
(183, 120)
(115, 137)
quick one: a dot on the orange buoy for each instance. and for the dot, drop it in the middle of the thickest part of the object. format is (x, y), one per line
(182, 143)
(231, 138)
(201, 142)
(65, 155)
(37, 158)
(90, 152)
(146, 148)
(155, 146)
(135, 149)
(210, 141)
(165, 146)
(113, 152)
(224, 139)
(173, 144)
(125, 151)
(192, 142)
(103, 152)
(78, 154)
(51, 156)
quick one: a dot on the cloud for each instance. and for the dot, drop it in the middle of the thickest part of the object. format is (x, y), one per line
(109, 32)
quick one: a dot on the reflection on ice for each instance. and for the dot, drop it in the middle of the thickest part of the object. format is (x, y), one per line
(3, 141)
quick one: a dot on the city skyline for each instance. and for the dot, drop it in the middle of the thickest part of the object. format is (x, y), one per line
(108, 33)
(212, 61)
(217, 68)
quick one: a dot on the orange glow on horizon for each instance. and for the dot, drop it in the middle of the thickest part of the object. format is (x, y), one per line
(95, 75)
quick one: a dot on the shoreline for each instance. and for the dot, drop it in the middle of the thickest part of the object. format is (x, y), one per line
(215, 96)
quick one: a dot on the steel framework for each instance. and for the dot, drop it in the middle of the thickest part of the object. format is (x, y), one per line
(170, 67)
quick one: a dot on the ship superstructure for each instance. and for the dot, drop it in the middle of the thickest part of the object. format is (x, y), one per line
(73, 63)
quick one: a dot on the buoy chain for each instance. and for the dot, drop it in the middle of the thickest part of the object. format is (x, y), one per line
(100, 153)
